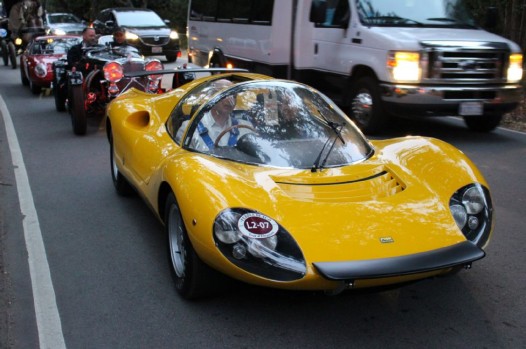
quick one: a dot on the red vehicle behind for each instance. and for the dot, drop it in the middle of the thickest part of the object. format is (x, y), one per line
(36, 62)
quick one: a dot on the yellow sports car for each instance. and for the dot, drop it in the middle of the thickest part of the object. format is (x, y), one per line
(267, 181)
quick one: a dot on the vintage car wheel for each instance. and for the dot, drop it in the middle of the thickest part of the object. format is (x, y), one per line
(365, 106)
(25, 80)
(12, 54)
(5, 53)
(78, 112)
(35, 89)
(121, 184)
(193, 278)
(60, 98)
(483, 123)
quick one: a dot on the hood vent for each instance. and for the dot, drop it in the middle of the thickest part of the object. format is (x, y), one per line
(372, 187)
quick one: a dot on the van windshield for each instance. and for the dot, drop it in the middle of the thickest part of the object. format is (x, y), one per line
(415, 13)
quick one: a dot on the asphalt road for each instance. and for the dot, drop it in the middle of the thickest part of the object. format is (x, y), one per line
(110, 277)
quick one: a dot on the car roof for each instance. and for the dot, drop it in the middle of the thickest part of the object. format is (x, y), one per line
(129, 9)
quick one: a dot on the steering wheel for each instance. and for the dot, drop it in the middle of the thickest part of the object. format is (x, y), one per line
(228, 129)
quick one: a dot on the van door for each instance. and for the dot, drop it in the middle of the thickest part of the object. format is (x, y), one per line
(331, 43)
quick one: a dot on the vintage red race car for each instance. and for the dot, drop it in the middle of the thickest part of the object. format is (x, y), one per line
(36, 62)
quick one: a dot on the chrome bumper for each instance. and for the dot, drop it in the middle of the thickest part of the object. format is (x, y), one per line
(446, 100)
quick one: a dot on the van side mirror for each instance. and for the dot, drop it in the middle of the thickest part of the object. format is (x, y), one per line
(109, 24)
(317, 11)
(491, 18)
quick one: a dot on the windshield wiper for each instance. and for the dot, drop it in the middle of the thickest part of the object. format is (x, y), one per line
(394, 18)
(337, 135)
(452, 21)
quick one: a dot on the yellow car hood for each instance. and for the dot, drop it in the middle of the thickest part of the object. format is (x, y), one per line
(394, 204)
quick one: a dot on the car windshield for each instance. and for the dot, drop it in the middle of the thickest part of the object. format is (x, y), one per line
(57, 18)
(273, 123)
(138, 19)
(429, 13)
(57, 45)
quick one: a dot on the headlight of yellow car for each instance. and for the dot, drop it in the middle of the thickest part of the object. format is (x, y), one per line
(473, 211)
(515, 68)
(258, 244)
(404, 66)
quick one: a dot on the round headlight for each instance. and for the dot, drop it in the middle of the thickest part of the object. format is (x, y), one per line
(131, 36)
(473, 200)
(41, 70)
(460, 215)
(58, 31)
(260, 248)
(174, 35)
(113, 71)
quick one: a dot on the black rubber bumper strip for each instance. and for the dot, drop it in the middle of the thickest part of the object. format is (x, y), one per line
(456, 255)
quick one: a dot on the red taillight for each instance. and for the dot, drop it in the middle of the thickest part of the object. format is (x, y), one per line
(113, 71)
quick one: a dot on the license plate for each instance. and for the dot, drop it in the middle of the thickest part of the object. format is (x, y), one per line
(157, 49)
(471, 108)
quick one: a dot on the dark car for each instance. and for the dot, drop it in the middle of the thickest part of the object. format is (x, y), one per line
(145, 30)
(63, 24)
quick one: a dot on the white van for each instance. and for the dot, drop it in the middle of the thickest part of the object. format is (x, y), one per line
(376, 58)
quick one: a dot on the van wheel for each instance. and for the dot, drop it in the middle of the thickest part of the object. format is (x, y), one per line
(365, 106)
(483, 123)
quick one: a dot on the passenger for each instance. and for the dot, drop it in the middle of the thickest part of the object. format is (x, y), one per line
(75, 53)
(119, 37)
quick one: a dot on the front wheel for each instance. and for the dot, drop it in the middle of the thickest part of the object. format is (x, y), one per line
(78, 111)
(5, 52)
(483, 123)
(60, 98)
(23, 77)
(193, 278)
(12, 54)
(366, 106)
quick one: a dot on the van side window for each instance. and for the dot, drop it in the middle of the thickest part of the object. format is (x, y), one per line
(335, 13)
(258, 12)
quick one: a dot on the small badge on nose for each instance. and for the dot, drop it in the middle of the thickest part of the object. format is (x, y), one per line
(386, 240)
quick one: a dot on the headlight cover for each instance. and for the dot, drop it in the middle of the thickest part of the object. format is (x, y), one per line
(258, 244)
(515, 68)
(41, 70)
(472, 210)
(404, 66)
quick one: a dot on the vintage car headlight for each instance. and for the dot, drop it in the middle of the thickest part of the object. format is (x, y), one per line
(154, 80)
(404, 66)
(258, 244)
(472, 210)
(131, 36)
(41, 70)
(515, 68)
(113, 72)
(174, 35)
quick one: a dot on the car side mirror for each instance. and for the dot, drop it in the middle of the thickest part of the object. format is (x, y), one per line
(167, 21)
(109, 24)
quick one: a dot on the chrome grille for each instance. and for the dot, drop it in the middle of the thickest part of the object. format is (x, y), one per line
(155, 40)
(484, 62)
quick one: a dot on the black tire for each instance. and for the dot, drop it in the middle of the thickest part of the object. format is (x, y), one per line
(23, 77)
(77, 111)
(35, 89)
(483, 123)
(12, 54)
(365, 106)
(121, 184)
(60, 98)
(171, 58)
(5, 53)
(193, 278)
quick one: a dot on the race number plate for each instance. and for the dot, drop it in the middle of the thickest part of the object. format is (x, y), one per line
(471, 108)
(157, 49)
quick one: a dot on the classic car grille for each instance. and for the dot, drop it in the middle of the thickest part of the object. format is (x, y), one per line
(376, 186)
(155, 40)
(486, 63)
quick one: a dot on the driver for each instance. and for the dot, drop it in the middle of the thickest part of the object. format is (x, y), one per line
(75, 54)
(218, 119)
(119, 37)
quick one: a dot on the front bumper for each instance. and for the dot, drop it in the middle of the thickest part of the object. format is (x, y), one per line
(462, 254)
(412, 100)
